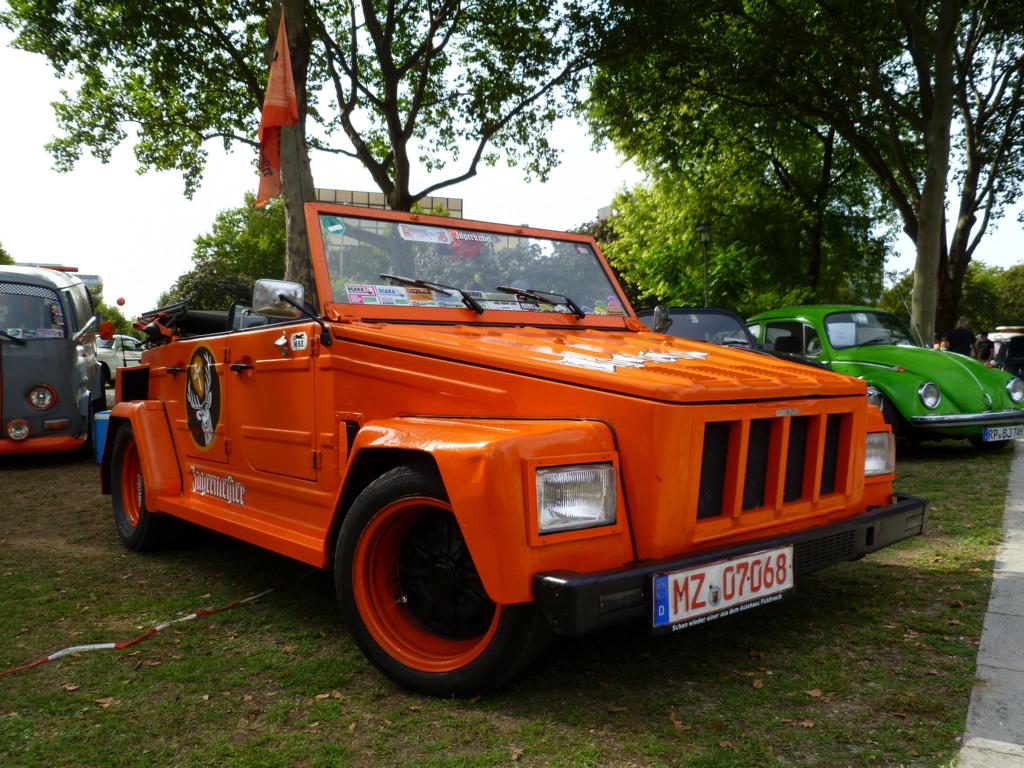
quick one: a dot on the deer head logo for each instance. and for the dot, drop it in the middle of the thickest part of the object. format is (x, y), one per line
(202, 393)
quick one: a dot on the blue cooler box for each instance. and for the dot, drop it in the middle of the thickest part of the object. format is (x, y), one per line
(99, 432)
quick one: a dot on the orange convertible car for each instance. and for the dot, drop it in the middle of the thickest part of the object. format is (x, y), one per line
(470, 426)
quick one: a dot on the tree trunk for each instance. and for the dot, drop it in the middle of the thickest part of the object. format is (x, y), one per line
(814, 269)
(932, 207)
(296, 176)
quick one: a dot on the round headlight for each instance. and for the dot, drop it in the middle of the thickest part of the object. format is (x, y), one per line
(874, 396)
(929, 394)
(1016, 389)
(41, 397)
(17, 429)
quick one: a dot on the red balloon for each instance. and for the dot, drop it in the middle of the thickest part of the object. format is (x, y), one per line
(120, 301)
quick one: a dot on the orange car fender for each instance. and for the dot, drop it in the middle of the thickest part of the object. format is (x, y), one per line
(161, 473)
(488, 469)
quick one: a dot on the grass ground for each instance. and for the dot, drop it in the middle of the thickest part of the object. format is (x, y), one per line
(869, 664)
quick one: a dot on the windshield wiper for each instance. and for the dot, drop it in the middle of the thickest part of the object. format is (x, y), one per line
(876, 340)
(468, 300)
(15, 339)
(543, 296)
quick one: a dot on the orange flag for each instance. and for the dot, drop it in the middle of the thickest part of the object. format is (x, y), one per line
(279, 108)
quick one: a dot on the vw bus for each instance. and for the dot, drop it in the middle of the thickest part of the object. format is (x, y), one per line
(49, 381)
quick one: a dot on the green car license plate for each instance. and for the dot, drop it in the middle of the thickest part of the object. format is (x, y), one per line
(994, 434)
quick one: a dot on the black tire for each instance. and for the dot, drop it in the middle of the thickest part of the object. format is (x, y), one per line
(140, 530)
(411, 597)
(900, 431)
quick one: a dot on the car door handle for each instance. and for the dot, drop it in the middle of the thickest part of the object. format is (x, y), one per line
(175, 371)
(239, 367)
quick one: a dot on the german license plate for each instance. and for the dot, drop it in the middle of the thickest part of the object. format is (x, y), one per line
(991, 434)
(695, 595)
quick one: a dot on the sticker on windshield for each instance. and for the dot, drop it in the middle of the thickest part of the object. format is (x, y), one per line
(14, 332)
(419, 233)
(362, 294)
(615, 306)
(393, 294)
(333, 225)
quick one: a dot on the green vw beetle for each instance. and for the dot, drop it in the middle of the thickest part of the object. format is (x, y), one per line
(924, 393)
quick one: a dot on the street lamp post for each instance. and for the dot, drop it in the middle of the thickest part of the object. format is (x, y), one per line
(705, 237)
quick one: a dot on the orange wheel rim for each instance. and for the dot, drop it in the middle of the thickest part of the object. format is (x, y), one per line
(417, 590)
(131, 485)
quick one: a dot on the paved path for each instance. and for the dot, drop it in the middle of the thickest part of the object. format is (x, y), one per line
(995, 720)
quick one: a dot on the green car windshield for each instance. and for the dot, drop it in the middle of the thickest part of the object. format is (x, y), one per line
(360, 250)
(856, 329)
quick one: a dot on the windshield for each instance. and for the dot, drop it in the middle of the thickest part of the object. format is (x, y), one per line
(359, 251)
(30, 312)
(857, 329)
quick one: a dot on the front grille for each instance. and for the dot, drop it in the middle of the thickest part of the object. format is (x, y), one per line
(762, 479)
(712, 469)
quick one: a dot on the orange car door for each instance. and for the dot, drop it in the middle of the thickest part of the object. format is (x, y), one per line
(273, 401)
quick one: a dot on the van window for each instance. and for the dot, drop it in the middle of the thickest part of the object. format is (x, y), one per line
(81, 305)
(31, 312)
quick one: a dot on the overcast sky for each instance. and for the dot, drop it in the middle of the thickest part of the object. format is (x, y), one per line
(136, 231)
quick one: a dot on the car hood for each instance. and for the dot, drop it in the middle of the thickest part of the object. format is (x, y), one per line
(964, 382)
(643, 364)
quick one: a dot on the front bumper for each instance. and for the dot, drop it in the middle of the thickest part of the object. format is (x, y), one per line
(989, 418)
(51, 444)
(575, 603)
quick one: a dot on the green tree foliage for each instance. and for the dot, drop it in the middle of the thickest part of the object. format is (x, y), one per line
(122, 325)
(444, 85)
(243, 245)
(906, 86)
(758, 257)
(5, 257)
(992, 296)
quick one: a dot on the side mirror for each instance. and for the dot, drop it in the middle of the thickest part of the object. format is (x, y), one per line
(86, 330)
(266, 298)
(106, 330)
(662, 322)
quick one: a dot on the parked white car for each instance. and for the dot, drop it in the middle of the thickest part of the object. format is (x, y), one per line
(116, 353)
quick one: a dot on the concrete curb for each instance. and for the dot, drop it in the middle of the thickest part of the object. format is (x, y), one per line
(994, 736)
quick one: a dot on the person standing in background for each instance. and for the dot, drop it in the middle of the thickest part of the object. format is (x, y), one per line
(983, 347)
(960, 339)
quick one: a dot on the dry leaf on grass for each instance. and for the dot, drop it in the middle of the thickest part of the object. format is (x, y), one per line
(956, 603)
(352, 728)
(247, 697)
(614, 709)
(806, 723)
(814, 693)
(679, 725)
(322, 696)
(290, 649)
(758, 683)
(151, 663)
(516, 754)
(70, 686)
(105, 701)
(725, 744)
(206, 697)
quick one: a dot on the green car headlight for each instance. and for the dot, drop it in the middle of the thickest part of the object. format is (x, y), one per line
(930, 395)
(874, 396)
(1016, 389)
(574, 497)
